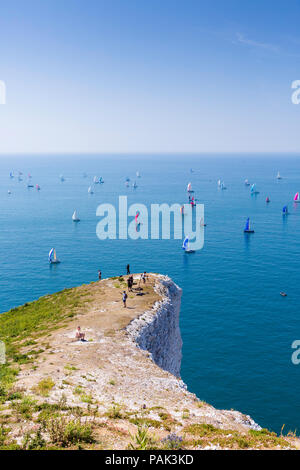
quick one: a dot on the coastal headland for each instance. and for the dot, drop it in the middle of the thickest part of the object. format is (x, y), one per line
(118, 389)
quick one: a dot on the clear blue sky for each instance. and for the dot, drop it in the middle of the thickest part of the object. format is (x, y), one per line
(149, 76)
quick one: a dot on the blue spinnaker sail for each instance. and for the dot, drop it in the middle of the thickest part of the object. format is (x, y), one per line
(247, 224)
(50, 255)
(185, 243)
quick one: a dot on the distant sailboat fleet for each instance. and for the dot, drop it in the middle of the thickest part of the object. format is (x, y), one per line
(52, 257)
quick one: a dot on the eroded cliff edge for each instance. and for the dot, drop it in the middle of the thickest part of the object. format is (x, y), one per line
(124, 377)
(157, 330)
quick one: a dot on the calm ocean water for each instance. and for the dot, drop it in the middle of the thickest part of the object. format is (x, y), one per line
(237, 330)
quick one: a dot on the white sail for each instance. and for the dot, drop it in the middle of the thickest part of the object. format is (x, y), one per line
(189, 187)
(75, 217)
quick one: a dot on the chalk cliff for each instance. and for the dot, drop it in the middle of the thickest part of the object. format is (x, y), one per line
(157, 330)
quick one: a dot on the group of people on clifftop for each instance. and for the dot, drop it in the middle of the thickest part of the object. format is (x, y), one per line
(79, 335)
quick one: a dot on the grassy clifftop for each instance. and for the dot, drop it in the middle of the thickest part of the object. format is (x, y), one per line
(104, 393)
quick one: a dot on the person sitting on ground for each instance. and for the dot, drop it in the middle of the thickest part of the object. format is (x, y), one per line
(79, 335)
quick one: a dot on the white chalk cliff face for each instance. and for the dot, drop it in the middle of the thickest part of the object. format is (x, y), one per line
(157, 330)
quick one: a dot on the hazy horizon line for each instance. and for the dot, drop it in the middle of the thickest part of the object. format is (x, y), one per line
(146, 153)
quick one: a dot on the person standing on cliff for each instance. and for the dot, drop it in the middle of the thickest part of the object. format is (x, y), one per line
(129, 283)
(128, 269)
(124, 298)
(143, 278)
(99, 275)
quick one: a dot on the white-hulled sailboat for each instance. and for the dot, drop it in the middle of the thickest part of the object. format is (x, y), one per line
(253, 189)
(75, 217)
(202, 223)
(279, 177)
(186, 247)
(189, 188)
(52, 257)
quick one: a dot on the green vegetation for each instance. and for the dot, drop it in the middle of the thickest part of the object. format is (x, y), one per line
(142, 440)
(44, 387)
(114, 412)
(66, 432)
(23, 326)
(231, 439)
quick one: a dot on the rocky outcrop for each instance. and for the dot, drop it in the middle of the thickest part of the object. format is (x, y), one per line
(157, 330)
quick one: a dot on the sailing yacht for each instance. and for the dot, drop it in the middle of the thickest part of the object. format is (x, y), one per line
(52, 257)
(75, 217)
(189, 188)
(185, 246)
(134, 185)
(223, 185)
(247, 228)
(90, 190)
(278, 176)
(253, 189)
(247, 183)
(297, 197)
(285, 210)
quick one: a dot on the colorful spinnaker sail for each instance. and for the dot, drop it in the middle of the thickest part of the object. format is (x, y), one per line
(51, 255)
(185, 243)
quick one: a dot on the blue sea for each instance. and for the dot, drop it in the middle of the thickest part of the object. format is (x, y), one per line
(237, 330)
